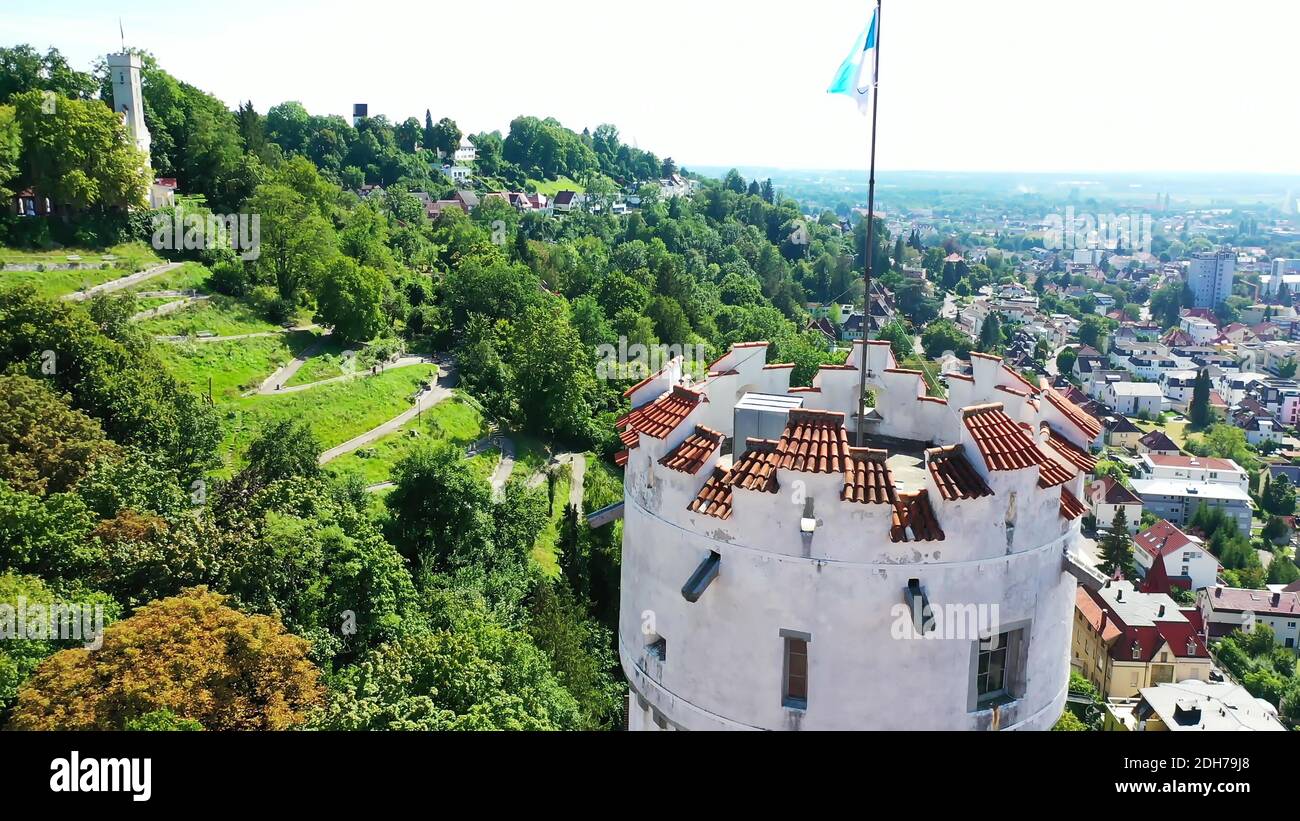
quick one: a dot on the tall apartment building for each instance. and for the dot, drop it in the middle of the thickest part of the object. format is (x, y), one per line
(1209, 275)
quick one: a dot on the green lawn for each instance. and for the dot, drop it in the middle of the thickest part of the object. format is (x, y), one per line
(336, 412)
(130, 258)
(234, 366)
(221, 315)
(552, 187)
(190, 276)
(545, 552)
(326, 363)
(452, 420)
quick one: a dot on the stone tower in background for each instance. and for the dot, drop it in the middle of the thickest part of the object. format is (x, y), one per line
(128, 98)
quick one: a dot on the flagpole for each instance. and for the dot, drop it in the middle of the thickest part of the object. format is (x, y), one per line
(871, 219)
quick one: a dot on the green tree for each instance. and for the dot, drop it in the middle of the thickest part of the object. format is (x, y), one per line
(1116, 547)
(1199, 413)
(1279, 496)
(990, 334)
(351, 298)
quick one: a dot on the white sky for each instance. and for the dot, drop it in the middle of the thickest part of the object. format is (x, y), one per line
(999, 85)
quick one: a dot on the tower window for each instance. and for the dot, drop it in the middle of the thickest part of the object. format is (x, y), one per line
(795, 679)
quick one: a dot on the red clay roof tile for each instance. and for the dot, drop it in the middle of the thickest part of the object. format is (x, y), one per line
(714, 498)
(955, 477)
(662, 416)
(694, 450)
(914, 519)
(1071, 507)
(1072, 453)
(1090, 427)
(814, 442)
(867, 479)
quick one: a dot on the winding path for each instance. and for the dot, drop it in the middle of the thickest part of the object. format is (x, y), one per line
(402, 362)
(169, 308)
(233, 337)
(124, 282)
(284, 373)
(426, 399)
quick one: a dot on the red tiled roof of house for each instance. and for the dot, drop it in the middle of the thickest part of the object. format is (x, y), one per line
(778, 366)
(714, 498)
(804, 389)
(1051, 472)
(1071, 507)
(693, 451)
(662, 416)
(629, 438)
(1014, 391)
(1162, 538)
(1089, 426)
(621, 457)
(1114, 493)
(914, 519)
(756, 469)
(867, 478)
(955, 477)
(814, 441)
(939, 400)
(735, 346)
(1073, 454)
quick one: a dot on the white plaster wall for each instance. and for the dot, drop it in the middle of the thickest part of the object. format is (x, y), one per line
(725, 652)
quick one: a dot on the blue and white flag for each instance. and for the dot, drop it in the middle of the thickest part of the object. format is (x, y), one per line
(857, 74)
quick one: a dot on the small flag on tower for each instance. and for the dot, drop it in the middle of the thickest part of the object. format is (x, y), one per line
(857, 74)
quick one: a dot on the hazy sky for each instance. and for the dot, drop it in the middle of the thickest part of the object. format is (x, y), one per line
(1014, 85)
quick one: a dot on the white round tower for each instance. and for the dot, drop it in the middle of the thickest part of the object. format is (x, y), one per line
(776, 577)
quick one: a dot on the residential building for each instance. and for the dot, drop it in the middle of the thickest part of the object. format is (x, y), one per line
(1134, 398)
(1282, 271)
(1106, 497)
(1159, 443)
(1217, 706)
(1193, 469)
(1178, 500)
(1177, 386)
(1121, 432)
(1209, 275)
(1187, 563)
(1228, 609)
(1125, 640)
(1201, 331)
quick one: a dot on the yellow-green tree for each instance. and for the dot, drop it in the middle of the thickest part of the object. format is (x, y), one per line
(189, 655)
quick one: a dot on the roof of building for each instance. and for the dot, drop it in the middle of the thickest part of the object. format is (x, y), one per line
(867, 478)
(1182, 487)
(714, 499)
(814, 441)
(1208, 705)
(1162, 539)
(1089, 426)
(1239, 600)
(1071, 507)
(1114, 493)
(1157, 440)
(914, 519)
(693, 451)
(662, 416)
(1071, 452)
(1095, 616)
(955, 477)
(1118, 423)
(1180, 461)
(756, 468)
(1006, 445)
(1135, 389)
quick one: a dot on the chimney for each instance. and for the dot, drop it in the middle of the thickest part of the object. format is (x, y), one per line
(1119, 594)
(1162, 611)
(1277, 599)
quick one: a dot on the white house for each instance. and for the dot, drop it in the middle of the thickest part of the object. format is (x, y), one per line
(1186, 559)
(1106, 497)
(1202, 331)
(1226, 609)
(1193, 469)
(1133, 398)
